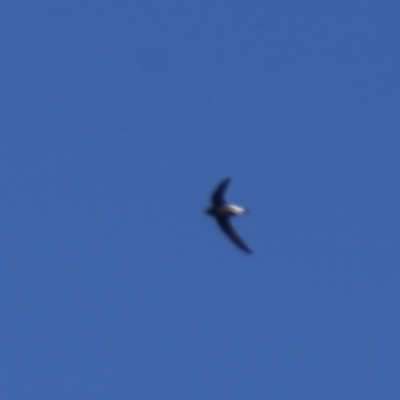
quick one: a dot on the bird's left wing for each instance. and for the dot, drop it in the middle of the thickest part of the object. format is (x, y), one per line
(217, 198)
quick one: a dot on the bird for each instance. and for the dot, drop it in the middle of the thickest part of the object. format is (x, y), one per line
(222, 211)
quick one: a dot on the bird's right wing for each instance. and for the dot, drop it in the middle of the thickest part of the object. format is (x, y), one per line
(227, 227)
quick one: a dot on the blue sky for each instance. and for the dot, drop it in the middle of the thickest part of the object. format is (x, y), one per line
(118, 119)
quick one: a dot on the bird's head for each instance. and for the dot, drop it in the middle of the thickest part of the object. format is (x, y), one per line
(209, 211)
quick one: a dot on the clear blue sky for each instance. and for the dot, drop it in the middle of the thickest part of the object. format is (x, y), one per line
(117, 121)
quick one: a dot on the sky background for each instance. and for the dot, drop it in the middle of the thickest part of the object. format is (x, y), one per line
(118, 119)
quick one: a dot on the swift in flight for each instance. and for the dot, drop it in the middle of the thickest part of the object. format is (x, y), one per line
(223, 211)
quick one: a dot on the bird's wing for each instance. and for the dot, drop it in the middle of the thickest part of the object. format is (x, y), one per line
(226, 226)
(217, 198)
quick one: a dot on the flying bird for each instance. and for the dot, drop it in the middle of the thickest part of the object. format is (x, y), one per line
(223, 211)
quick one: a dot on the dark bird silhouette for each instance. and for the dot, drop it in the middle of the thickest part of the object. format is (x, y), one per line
(223, 211)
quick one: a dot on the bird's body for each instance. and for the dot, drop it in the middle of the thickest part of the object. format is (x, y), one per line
(226, 209)
(223, 211)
